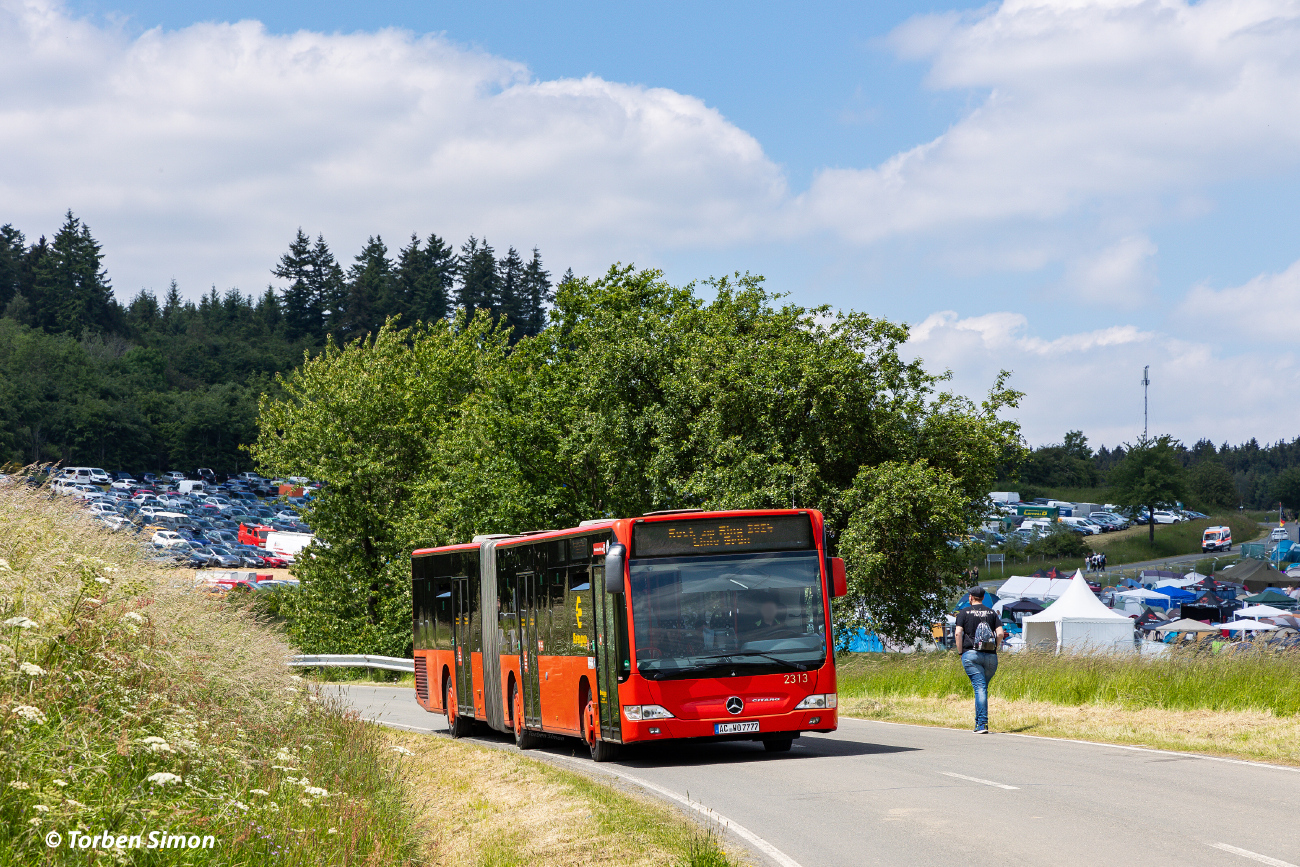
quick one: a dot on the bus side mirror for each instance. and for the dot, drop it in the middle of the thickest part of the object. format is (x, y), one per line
(839, 578)
(615, 557)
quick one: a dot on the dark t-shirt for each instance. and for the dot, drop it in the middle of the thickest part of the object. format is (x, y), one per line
(970, 618)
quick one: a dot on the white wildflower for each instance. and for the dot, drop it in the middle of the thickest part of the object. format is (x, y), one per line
(239, 805)
(296, 678)
(133, 615)
(402, 751)
(19, 785)
(332, 831)
(59, 783)
(31, 668)
(93, 602)
(291, 689)
(154, 739)
(273, 806)
(29, 713)
(290, 779)
(7, 652)
(33, 821)
(102, 580)
(316, 791)
(305, 802)
(259, 791)
(162, 778)
(284, 755)
(21, 623)
(4, 565)
(73, 803)
(40, 808)
(163, 747)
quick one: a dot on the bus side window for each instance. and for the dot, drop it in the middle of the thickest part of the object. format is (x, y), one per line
(578, 612)
(442, 603)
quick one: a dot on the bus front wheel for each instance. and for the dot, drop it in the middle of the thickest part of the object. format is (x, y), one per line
(601, 751)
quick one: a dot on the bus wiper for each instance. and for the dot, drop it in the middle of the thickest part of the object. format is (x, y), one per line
(798, 666)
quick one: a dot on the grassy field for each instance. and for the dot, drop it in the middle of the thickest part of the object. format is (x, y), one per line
(1133, 545)
(1246, 706)
(130, 704)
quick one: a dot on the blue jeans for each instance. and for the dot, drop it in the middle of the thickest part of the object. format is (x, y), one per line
(980, 668)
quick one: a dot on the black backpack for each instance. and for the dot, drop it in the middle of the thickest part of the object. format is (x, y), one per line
(984, 640)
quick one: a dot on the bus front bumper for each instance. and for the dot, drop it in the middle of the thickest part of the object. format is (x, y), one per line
(741, 727)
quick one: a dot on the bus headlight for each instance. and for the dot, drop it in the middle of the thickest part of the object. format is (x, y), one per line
(820, 701)
(638, 712)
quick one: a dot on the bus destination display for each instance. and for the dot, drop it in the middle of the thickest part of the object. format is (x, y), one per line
(722, 536)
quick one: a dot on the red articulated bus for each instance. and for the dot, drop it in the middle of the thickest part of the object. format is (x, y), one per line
(684, 624)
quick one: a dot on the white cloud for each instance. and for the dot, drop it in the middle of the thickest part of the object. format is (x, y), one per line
(1119, 275)
(1265, 309)
(198, 152)
(1107, 106)
(1091, 381)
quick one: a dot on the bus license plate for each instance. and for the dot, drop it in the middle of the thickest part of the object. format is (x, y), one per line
(734, 728)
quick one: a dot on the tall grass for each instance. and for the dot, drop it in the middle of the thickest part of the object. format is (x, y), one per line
(130, 703)
(1251, 681)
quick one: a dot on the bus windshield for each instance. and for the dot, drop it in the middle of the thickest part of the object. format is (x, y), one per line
(733, 613)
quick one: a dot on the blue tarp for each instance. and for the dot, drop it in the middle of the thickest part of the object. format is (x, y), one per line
(859, 641)
(1177, 593)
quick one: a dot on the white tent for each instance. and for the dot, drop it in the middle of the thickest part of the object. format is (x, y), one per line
(1248, 625)
(1256, 611)
(1078, 621)
(1030, 587)
(1181, 582)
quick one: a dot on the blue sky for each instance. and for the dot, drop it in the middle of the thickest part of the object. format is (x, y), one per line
(1069, 189)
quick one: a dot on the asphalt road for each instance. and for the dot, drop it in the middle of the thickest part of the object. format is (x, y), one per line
(878, 793)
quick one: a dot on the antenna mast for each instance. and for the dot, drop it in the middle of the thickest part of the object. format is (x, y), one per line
(1146, 381)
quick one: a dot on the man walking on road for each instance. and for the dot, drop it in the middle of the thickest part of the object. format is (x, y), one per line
(979, 634)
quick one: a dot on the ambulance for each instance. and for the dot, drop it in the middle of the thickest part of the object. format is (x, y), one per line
(1216, 539)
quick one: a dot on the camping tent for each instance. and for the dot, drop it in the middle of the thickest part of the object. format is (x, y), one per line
(1247, 625)
(1271, 596)
(1078, 621)
(1186, 625)
(1254, 611)
(1142, 595)
(1032, 587)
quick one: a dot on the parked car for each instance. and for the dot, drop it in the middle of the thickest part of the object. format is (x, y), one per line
(168, 539)
(218, 557)
(1278, 534)
(1163, 516)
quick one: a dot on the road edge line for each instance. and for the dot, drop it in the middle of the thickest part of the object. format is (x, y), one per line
(709, 813)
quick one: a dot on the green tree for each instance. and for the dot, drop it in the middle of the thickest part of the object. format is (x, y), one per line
(13, 247)
(70, 289)
(479, 282)
(1286, 489)
(1150, 476)
(369, 292)
(1210, 485)
(535, 295)
(641, 397)
(510, 300)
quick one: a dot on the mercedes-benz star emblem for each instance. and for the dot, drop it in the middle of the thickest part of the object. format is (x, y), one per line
(735, 705)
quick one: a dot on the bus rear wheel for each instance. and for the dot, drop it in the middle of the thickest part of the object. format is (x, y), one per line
(601, 751)
(457, 725)
(524, 739)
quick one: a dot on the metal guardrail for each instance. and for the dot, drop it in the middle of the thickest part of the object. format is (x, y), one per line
(343, 660)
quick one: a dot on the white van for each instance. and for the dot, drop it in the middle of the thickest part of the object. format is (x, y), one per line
(288, 545)
(190, 487)
(1216, 539)
(1083, 524)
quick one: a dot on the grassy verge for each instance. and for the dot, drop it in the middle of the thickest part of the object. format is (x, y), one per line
(1246, 706)
(493, 808)
(130, 704)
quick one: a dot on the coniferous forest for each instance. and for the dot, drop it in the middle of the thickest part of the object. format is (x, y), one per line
(161, 383)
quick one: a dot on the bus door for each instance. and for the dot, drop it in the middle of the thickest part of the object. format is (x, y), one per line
(608, 657)
(530, 633)
(460, 638)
